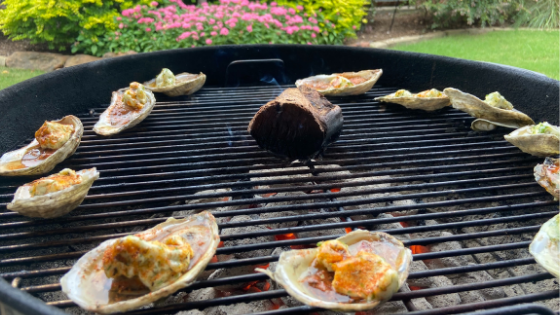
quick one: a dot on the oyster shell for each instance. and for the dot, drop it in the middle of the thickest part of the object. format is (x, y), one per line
(118, 116)
(295, 264)
(538, 140)
(34, 160)
(546, 244)
(183, 83)
(54, 204)
(487, 115)
(342, 84)
(87, 285)
(417, 101)
(548, 176)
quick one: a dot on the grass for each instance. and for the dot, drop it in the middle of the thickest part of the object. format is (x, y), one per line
(11, 76)
(533, 50)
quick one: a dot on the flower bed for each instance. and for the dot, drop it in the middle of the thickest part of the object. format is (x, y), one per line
(173, 24)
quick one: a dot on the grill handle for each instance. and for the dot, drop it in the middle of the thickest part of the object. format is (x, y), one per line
(256, 72)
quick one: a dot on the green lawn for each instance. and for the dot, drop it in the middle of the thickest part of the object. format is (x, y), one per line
(11, 76)
(533, 50)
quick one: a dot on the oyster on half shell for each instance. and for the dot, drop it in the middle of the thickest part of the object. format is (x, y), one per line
(296, 266)
(55, 195)
(548, 176)
(53, 143)
(342, 84)
(428, 100)
(87, 283)
(539, 140)
(488, 112)
(129, 107)
(545, 247)
(174, 85)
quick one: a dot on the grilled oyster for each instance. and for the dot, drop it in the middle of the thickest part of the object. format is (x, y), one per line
(428, 100)
(548, 176)
(114, 277)
(539, 140)
(545, 247)
(342, 84)
(129, 106)
(490, 112)
(53, 143)
(355, 258)
(55, 195)
(174, 85)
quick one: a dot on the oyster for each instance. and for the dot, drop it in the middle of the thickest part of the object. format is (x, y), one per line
(548, 176)
(174, 85)
(546, 244)
(369, 255)
(53, 143)
(428, 100)
(129, 107)
(539, 140)
(341, 84)
(488, 112)
(113, 277)
(55, 195)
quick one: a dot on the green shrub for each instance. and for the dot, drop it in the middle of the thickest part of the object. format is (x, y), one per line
(449, 12)
(347, 15)
(542, 14)
(60, 22)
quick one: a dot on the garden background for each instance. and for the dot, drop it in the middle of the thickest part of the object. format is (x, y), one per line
(90, 29)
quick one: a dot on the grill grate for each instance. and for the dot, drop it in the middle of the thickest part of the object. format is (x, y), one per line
(386, 154)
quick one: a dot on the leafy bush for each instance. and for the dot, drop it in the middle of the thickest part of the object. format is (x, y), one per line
(448, 12)
(538, 13)
(151, 28)
(347, 15)
(60, 22)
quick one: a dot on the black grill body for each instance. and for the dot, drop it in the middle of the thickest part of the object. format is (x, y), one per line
(190, 147)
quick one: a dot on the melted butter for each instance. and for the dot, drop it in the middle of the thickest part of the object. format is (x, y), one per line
(32, 157)
(120, 114)
(318, 281)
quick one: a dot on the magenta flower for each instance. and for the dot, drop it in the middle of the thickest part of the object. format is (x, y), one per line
(224, 31)
(250, 28)
(208, 41)
(316, 29)
(292, 11)
(213, 33)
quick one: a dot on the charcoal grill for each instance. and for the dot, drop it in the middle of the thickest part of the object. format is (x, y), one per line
(199, 143)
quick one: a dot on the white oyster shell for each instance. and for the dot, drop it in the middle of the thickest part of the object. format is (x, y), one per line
(104, 126)
(54, 204)
(87, 285)
(414, 102)
(10, 163)
(546, 244)
(541, 144)
(371, 77)
(292, 264)
(185, 84)
(487, 115)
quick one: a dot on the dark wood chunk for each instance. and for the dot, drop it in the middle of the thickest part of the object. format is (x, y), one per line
(298, 124)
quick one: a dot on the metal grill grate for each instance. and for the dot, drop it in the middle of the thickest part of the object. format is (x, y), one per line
(386, 154)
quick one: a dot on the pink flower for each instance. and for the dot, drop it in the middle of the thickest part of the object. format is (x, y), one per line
(313, 35)
(121, 25)
(299, 7)
(211, 21)
(353, 27)
(250, 28)
(202, 34)
(292, 11)
(273, 4)
(116, 37)
(119, 18)
(213, 33)
(154, 3)
(148, 29)
(309, 43)
(317, 29)
(224, 31)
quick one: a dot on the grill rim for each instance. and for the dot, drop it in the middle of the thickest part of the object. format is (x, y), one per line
(442, 69)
